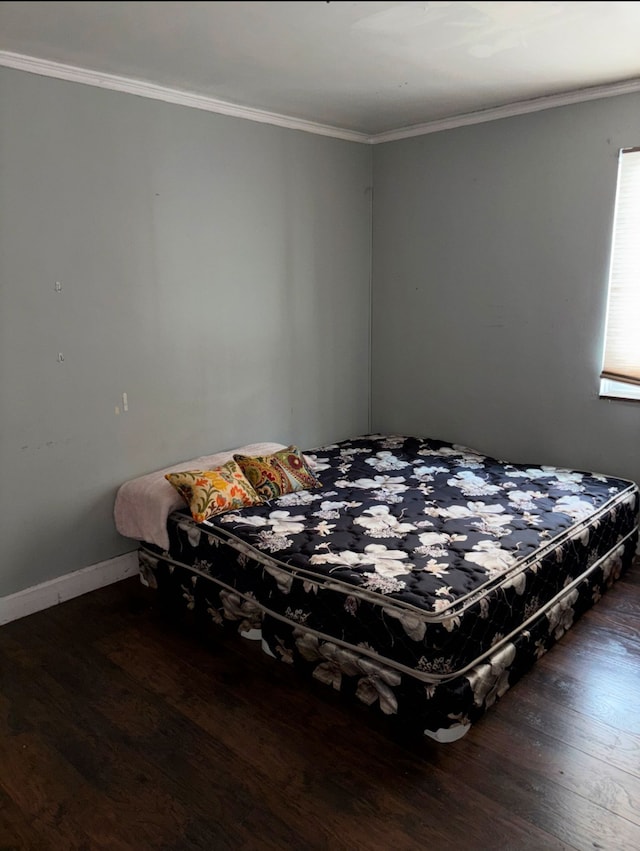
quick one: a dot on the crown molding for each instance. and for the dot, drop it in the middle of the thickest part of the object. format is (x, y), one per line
(72, 73)
(518, 108)
(129, 85)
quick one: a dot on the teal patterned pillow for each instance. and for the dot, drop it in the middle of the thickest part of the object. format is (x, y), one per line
(282, 472)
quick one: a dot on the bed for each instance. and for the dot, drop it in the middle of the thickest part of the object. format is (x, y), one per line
(420, 578)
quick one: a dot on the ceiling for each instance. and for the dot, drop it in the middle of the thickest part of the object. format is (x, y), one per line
(367, 69)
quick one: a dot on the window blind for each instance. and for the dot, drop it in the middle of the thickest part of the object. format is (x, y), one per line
(622, 340)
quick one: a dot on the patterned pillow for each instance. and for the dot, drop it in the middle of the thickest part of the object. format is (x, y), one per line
(282, 472)
(209, 492)
(296, 469)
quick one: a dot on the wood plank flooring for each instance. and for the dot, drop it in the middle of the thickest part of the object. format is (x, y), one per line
(122, 730)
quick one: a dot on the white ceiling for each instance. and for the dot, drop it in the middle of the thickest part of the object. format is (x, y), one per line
(366, 68)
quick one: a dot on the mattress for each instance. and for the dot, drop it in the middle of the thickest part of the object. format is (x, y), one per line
(422, 577)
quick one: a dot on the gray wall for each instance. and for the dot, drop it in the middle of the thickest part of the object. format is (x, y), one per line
(491, 250)
(214, 269)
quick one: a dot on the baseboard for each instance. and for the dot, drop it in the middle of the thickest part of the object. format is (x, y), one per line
(55, 591)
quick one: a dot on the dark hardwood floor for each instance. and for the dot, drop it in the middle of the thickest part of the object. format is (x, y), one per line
(120, 730)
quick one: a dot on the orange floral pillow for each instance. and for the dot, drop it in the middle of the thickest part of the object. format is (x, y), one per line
(209, 492)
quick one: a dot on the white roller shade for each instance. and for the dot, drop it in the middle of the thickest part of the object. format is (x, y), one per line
(622, 344)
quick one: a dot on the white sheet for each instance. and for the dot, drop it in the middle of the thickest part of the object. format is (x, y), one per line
(143, 505)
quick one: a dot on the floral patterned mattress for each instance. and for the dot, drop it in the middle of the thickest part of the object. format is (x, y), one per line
(416, 553)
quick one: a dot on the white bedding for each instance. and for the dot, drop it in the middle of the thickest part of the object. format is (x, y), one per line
(143, 505)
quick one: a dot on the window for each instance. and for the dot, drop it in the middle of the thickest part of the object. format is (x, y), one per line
(620, 374)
